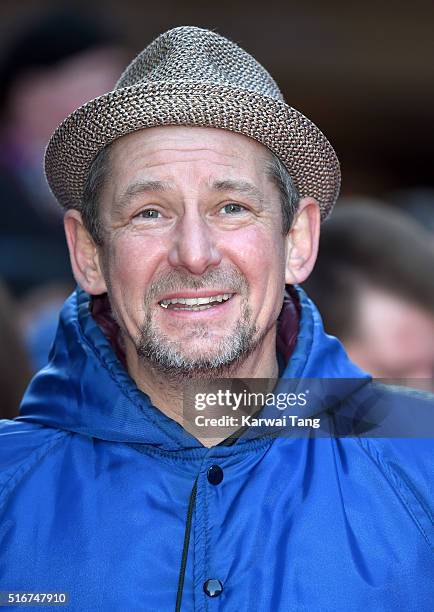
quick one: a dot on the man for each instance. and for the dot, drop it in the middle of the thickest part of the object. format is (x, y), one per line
(182, 237)
(379, 298)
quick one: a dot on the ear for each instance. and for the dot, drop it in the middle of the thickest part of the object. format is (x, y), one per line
(83, 252)
(302, 241)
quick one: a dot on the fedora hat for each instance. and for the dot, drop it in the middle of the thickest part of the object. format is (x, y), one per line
(194, 77)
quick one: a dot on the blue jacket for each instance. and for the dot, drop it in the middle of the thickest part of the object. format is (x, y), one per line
(104, 497)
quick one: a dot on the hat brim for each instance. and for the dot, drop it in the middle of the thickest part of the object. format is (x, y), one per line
(297, 142)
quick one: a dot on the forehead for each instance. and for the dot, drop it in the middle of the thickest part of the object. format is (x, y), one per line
(165, 149)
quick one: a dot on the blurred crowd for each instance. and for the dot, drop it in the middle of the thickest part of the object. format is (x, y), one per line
(55, 63)
(373, 282)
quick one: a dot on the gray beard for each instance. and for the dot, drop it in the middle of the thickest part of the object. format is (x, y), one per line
(168, 357)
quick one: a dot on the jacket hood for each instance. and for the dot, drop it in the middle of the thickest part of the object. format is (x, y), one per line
(85, 388)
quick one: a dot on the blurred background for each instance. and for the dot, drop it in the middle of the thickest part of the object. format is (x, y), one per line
(364, 72)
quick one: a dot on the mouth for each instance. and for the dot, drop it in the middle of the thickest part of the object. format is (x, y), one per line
(196, 303)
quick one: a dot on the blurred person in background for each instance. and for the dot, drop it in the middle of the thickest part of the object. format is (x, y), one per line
(55, 63)
(418, 202)
(14, 365)
(374, 285)
(37, 319)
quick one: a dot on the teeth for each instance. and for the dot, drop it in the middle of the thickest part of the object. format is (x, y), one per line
(198, 303)
(196, 308)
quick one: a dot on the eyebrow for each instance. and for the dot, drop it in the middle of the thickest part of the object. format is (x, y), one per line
(153, 186)
(136, 188)
(239, 186)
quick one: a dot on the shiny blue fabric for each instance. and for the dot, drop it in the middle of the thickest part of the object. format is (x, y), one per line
(95, 485)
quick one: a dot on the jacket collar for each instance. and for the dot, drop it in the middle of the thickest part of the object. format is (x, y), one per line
(86, 389)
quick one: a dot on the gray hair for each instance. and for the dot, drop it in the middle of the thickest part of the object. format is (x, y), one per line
(289, 196)
(100, 168)
(96, 179)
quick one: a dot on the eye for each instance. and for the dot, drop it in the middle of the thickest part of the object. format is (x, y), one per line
(232, 209)
(149, 213)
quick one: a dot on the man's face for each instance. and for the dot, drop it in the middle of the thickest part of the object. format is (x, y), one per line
(395, 338)
(191, 214)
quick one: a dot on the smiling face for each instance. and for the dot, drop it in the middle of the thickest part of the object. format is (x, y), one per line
(194, 256)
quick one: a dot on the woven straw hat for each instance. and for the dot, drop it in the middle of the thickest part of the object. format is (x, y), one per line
(192, 76)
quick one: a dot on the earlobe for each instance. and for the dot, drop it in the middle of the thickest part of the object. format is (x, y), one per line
(83, 254)
(302, 242)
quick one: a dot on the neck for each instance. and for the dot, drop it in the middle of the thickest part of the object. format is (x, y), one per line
(166, 391)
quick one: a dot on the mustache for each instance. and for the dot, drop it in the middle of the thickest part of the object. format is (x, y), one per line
(228, 278)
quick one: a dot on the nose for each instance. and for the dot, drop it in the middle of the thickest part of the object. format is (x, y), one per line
(194, 247)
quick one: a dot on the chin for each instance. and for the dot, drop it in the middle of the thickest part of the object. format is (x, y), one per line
(179, 362)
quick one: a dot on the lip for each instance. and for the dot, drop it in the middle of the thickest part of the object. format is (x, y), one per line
(208, 314)
(200, 293)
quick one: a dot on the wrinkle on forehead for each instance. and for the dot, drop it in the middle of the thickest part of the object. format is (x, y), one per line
(184, 139)
(187, 160)
(159, 156)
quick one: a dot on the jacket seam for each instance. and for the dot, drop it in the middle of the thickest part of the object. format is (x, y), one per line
(390, 475)
(26, 466)
(253, 446)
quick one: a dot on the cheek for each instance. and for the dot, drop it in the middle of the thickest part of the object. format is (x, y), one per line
(261, 258)
(131, 259)
(130, 264)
